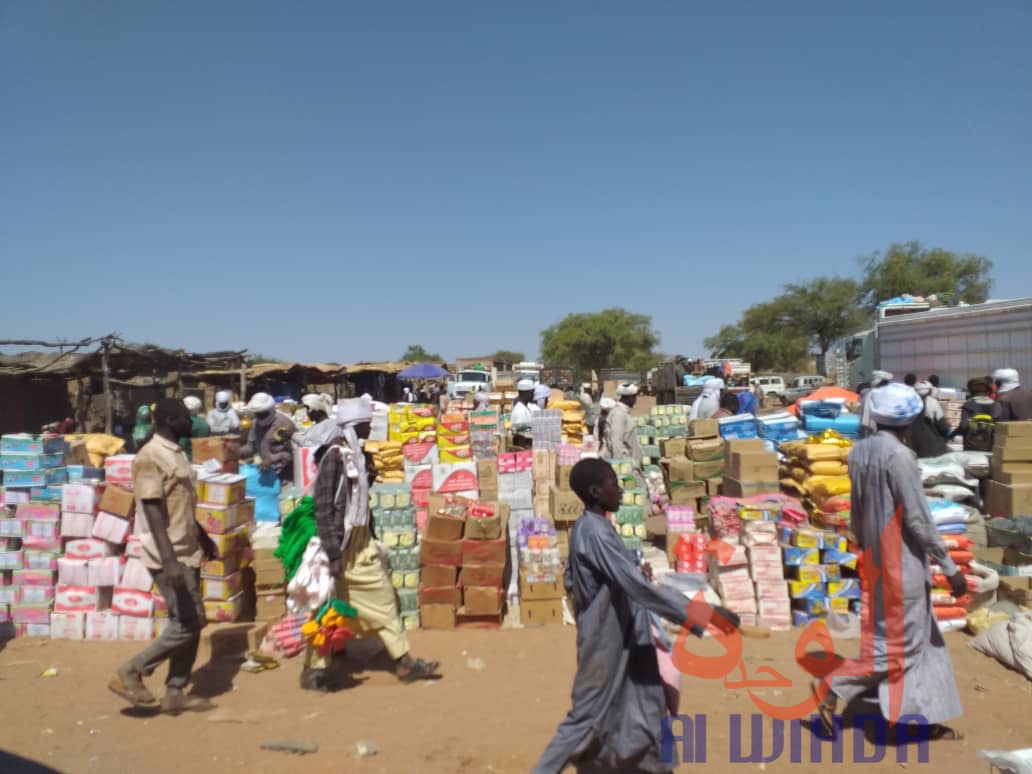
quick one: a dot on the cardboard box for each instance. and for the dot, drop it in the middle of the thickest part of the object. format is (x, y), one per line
(226, 611)
(218, 519)
(87, 548)
(706, 450)
(562, 477)
(482, 600)
(564, 506)
(224, 448)
(79, 498)
(73, 572)
(437, 616)
(484, 551)
(544, 612)
(686, 492)
(435, 575)
(104, 572)
(441, 526)
(532, 591)
(487, 473)
(714, 486)
(132, 602)
(76, 525)
(441, 595)
(544, 465)
(703, 428)
(673, 447)
(1013, 450)
(679, 469)
(459, 477)
(227, 564)
(224, 489)
(135, 629)
(1009, 500)
(117, 501)
(107, 526)
(707, 470)
(734, 488)
(135, 575)
(221, 588)
(753, 466)
(79, 599)
(67, 626)
(484, 527)
(443, 552)
(743, 445)
(1011, 472)
(482, 575)
(102, 626)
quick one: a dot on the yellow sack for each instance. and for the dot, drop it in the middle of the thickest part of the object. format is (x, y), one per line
(798, 473)
(99, 446)
(983, 618)
(566, 405)
(829, 468)
(814, 452)
(822, 488)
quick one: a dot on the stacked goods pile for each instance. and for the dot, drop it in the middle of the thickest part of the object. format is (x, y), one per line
(982, 583)
(419, 461)
(453, 439)
(540, 577)
(514, 474)
(394, 524)
(741, 426)
(217, 453)
(707, 458)
(630, 523)
(561, 504)
(1010, 490)
(779, 428)
(816, 470)
(483, 433)
(546, 427)
(572, 426)
(388, 460)
(648, 439)
(411, 423)
(682, 487)
(760, 537)
(822, 574)
(440, 558)
(829, 414)
(680, 521)
(729, 577)
(688, 552)
(751, 469)
(223, 510)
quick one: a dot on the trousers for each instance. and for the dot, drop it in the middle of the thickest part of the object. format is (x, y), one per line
(179, 642)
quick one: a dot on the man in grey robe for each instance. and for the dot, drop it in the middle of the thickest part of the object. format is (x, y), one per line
(867, 425)
(623, 433)
(884, 476)
(618, 695)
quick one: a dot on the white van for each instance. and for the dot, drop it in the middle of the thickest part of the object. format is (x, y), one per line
(772, 386)
(803, 386)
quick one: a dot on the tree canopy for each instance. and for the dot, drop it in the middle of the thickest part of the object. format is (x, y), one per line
(508, 356)
(416, 353)
(612, 338)
(910, 267)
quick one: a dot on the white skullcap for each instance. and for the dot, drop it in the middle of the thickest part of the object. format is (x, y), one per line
(542, 391)
(261, 401)
(524, 385)
(222, 396)
(313, 402)
(607, 404)
(894, 405)
(193, 403)
(1006, 379)
(923, 388)
(353, 411)
(627, 389)
(879, 378)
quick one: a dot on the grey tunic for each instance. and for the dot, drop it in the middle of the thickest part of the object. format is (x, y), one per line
(622, 440)
(884, 475)
(618, 697)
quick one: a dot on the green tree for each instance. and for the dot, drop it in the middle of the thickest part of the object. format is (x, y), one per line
(767, 337)
(508, 356)
(825, 309)
(612, 338)
(912, 268)
(418, 354)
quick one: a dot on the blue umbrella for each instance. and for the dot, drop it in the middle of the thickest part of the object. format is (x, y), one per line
(424, 371)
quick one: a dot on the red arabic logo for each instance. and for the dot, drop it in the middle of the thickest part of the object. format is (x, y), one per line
(822, 666)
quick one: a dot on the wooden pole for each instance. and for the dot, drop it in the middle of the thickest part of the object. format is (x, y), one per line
(243, 379)
(109, 407)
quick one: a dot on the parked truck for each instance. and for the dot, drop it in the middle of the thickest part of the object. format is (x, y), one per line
(956, 343)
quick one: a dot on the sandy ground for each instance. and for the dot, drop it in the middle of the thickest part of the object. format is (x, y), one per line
(495, 715)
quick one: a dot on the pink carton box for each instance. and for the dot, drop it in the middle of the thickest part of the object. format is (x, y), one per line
(73, 572)
(11, 560)
(136, 629)
(775, 623)
(220, 588)
(42, 578)
(764, 554)
(773, 590)
(133, 547)
(136, 576)
(8, 596)
(104, 572)
(774, 608)
(34, 595)
(79, 498)
(132, 602)
(102, 626)
(111, 528)
(67, 626)
(31, 613)
(767, 572)
(76, 525)
(41, 529)
(87, 548)
(35, 629)
(118, 469)
(39, 560)
(39, 512)
(12, 528)
(741, 605)
(81, 599)
(37, 543)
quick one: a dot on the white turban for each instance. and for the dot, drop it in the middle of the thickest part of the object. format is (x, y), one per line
(353, 411)
(712, 386)
(315, 402)
(627, 389)
(222, 396)
(524, 385)
(1006, 379)
(260, 402)
(607, 404)
(923, 388)
(193, 403)
(542, 391)
(878, 378)
(894, 405)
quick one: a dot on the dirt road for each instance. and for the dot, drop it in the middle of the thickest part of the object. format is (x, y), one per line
(492, 715)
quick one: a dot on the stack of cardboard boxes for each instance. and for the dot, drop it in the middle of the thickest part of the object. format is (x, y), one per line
(394, 522)
(223, 509)
(440, 558)
(751, 469)
(453, 439)
(540, 576)
(1010, 495)
(484, 552)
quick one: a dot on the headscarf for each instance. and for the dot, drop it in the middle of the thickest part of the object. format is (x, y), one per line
(923, 388)
(352, 412)
(710, 394)
(1007, 379)
(607, 404)
(879, 378)
(222, 398)
(626, 390)
(193, 403)
(895, 405)
(541, 395)
(261, 402)
(524, 385)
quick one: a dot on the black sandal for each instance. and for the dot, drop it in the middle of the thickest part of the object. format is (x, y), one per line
(826, 709)
(420, 670)
(941, 733)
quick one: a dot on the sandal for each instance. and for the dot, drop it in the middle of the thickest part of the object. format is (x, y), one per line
(139, 697)
(939, 732)
(420, 670)
(826, 709)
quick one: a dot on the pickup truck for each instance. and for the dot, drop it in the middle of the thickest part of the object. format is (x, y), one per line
(801, 387)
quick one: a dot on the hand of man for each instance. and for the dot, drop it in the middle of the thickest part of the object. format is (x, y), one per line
(211, 551)
(722, 612)
(958, 584)
(175, 573)
(336, 567)
(265, 464)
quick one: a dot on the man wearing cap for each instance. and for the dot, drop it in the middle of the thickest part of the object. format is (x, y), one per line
(198, 426)
(602, 430)
(324, 427)
(341, 493)
(622, 432)
(542, 393)
(867, 425)
(1014, 400)
(223, 420)
(884, 477)
(481, 400)
(708, 403)
(269, 437)
(522, 409)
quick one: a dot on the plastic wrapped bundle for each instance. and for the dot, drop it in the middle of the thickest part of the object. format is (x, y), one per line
(740, 426)
(847, 425)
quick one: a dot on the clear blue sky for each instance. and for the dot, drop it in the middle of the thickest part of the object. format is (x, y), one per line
(334, 180)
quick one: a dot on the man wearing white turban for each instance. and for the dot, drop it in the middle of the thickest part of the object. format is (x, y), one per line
(867, 425)
(602, 439)
(708, 403)
(198, 426)
(541, 395)
(884, 477)
(222, 419)
(324, 429)
(269, 437)
(522, 409)
(623, 433)
(481, 399)
(1014, 400)
(341, 494)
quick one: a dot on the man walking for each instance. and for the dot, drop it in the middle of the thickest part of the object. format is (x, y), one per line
(172, 549)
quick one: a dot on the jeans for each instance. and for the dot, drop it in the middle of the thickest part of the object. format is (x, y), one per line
(178, 643)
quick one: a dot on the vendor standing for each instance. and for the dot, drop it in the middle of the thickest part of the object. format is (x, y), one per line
(623, 434)
(269, 437)
(198, 426)
(222, 419)
(522, 411)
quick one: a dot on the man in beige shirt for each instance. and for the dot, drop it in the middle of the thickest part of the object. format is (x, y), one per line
(173, 546)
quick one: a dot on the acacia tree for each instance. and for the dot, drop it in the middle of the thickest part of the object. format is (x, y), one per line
(910, 267)
(612, 338)
(508, 356)
(418, 354)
